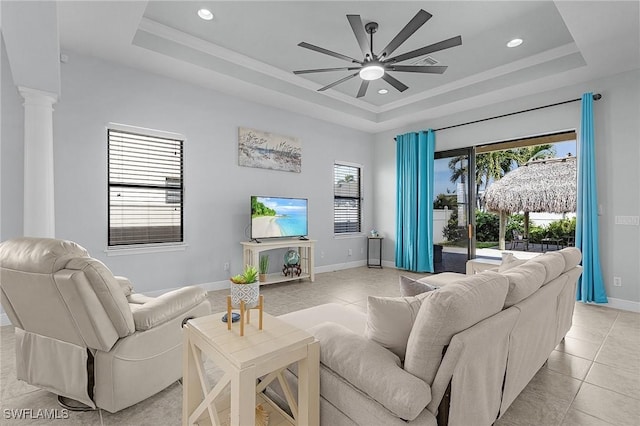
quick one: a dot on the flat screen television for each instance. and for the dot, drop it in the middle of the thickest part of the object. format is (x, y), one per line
(278, 217)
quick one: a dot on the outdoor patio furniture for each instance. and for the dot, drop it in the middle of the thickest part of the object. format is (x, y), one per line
(569, 240)
(557, 241)
(518, 238)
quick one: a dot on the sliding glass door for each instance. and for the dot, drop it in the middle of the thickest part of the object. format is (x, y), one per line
(454, 209)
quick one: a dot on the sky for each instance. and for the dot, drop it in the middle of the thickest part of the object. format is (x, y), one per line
(442, 172)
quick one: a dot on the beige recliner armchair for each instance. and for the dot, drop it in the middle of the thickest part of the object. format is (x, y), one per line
(83, 333)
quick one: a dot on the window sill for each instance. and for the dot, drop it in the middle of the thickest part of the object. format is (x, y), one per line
(348, 236)
(128, 250)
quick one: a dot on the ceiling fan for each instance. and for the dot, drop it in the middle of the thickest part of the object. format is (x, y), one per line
(373, 66)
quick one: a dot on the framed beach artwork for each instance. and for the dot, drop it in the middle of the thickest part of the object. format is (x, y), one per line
(269, 151)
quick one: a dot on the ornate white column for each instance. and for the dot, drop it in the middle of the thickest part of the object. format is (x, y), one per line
(39, 207)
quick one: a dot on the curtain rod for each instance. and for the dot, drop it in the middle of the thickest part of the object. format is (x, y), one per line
(596, 97)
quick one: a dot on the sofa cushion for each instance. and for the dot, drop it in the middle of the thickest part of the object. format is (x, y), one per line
(372, 369)
(572, 257)
(451, 309)
(389, 321)
(411, 287)
(346, 315)
(509, 261)
(553, 263)
(524, 280)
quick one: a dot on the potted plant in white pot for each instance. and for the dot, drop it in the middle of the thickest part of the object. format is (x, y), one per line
(245, 287)
(264, 268)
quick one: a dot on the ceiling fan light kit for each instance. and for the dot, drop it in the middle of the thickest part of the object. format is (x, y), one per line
(372, 71)
(375, 66)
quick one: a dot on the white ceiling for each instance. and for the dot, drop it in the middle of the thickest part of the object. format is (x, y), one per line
(250, 50)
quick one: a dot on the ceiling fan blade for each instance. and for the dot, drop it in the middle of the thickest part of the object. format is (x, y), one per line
(441, 45)
(363, 88)
(358, 30)
(335, 83)
(401, 87)
(430, 69)
(413, 25)
(326, 70)
(328, 52)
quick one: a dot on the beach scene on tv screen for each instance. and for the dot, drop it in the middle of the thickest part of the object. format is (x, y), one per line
(278, 217)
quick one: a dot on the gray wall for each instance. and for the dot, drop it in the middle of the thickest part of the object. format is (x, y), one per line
(617, 149)
(217, 207)
(11, 155)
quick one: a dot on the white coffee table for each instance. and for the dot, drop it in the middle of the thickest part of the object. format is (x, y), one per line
(258, 353)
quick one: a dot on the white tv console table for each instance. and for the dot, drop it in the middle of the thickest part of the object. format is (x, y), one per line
(251, 256)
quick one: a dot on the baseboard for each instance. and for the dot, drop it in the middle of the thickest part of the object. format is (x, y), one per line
(625, 305)
(340, 266)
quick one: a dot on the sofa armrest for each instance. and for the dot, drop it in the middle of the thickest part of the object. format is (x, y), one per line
(167, 306)
(372, 369)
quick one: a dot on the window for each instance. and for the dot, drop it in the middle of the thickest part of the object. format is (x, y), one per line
(347, 201)
(146, 190)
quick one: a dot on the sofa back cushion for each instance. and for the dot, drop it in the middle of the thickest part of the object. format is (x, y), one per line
(448, 311)
(572, 257)
(524, 280)
(553, 263)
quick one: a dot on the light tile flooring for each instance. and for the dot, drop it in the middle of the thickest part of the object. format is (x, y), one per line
(592, 379)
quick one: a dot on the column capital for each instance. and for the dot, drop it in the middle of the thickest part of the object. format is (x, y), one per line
(37, 96)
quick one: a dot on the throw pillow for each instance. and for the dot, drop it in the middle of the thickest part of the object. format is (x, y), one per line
(509, 261)
(411, 287)
(389, 321)
(372, 369)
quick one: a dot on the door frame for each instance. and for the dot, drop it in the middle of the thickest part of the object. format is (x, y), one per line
(470, 152)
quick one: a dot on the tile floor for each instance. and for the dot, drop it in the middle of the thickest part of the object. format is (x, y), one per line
(592, 379)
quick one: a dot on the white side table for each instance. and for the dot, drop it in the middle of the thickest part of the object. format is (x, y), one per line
(258, 353)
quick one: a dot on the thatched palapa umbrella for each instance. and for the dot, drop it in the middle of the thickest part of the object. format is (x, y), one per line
(539, 186)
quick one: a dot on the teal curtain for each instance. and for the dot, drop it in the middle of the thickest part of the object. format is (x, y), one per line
(414, 201)
(590, 284)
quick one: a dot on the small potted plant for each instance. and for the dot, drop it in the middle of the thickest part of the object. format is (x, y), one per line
(245, 287)
(264, 268)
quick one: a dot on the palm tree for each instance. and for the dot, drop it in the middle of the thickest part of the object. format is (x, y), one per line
(536, 152)
(491, 165)
(458, 172)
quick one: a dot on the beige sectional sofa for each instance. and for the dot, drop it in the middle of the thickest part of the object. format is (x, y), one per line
(458, 355)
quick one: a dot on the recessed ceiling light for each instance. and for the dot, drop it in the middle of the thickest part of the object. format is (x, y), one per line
(205, 14)
(383, 91)
(515, 42)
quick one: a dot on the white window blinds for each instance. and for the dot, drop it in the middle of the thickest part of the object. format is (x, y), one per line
(347, 200)
(146, 190)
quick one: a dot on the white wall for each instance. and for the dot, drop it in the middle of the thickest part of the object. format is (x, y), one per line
(217, 205)
(617, 150)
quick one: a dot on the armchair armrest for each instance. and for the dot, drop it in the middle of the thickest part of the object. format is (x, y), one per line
(167, 306)
(372, 369)
(125, 285)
